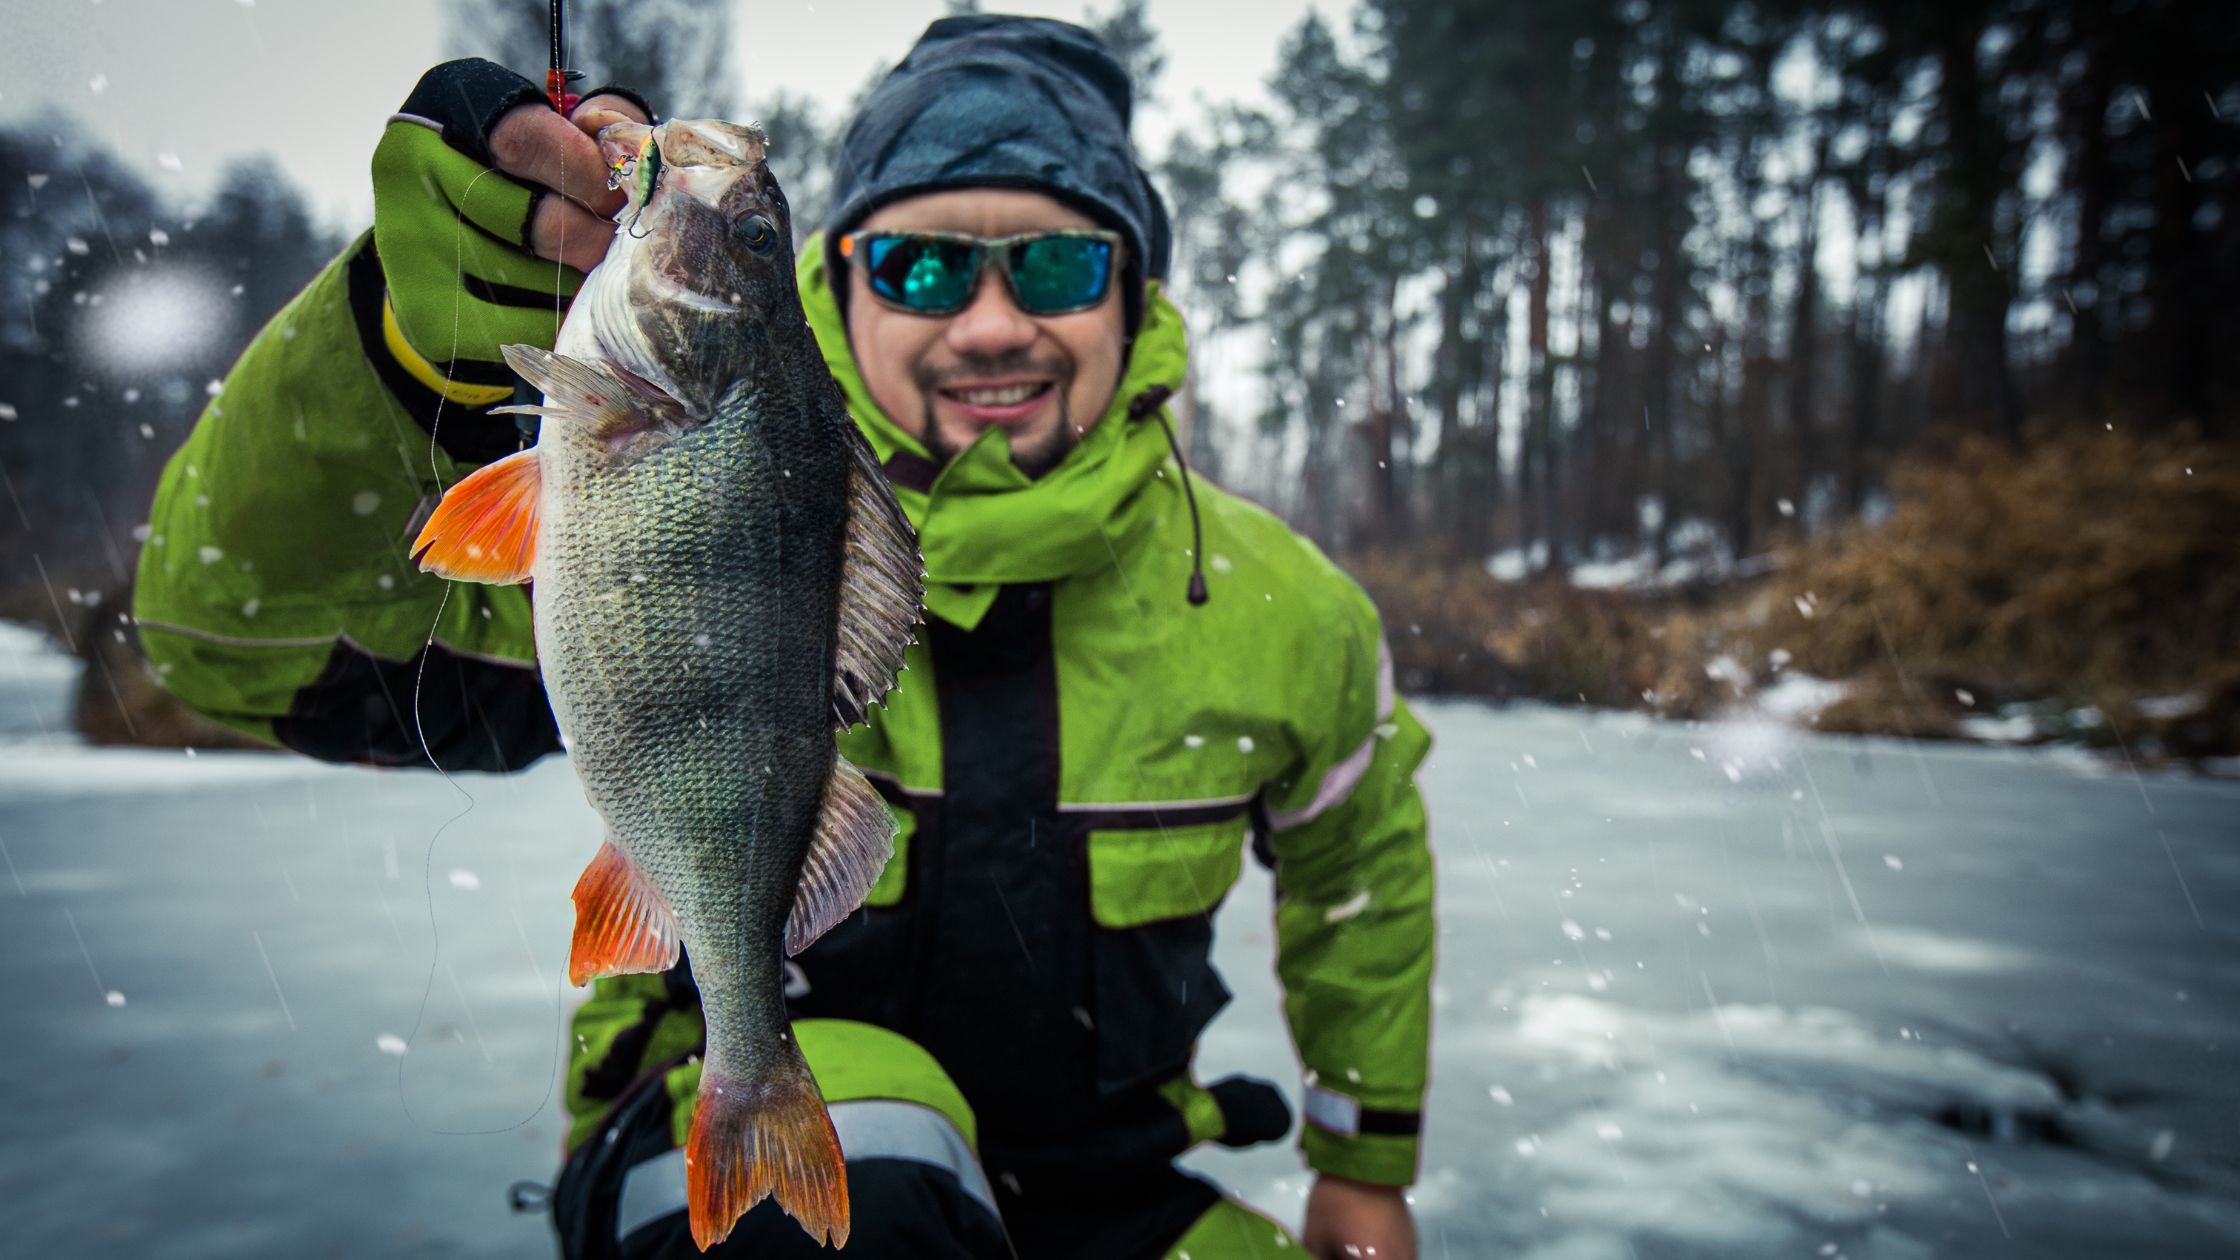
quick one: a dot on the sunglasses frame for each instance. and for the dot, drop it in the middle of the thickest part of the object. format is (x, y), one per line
(988, 251)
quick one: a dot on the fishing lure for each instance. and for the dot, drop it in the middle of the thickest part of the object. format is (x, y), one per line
(645, 171)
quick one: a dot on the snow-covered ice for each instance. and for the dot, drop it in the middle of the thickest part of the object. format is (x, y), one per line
(1856, 997)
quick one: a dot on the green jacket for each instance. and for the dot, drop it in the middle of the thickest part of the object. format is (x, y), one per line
(1078, 758)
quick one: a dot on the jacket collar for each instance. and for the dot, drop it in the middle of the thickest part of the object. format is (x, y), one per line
(983, 523)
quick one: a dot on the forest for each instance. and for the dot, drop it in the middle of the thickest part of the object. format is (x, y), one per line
(1629, 351)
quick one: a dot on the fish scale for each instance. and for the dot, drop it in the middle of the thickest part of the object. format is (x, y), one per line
(722, 581)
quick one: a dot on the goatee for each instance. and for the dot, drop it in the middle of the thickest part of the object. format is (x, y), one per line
(1033, 456)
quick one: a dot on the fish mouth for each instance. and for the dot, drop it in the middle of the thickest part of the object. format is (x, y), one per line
(703, 158)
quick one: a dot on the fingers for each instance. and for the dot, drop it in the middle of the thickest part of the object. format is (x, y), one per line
(535, 144)
(622, 107)
(565, 232)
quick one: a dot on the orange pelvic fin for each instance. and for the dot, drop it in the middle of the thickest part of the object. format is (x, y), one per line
(623, 923)
(770, 1138)
(485, 530)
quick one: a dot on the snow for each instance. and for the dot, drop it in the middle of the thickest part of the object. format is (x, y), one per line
(1796, 696)
(2168, 708)
(2017, 727)
(1638, 571)
(1515, 563)
(1608, 574)
(1862, 997)
(153, 320)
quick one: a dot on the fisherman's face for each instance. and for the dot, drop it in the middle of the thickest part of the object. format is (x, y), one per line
(949, 378)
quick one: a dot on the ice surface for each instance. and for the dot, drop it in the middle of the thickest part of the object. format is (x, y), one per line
(1678, 1013)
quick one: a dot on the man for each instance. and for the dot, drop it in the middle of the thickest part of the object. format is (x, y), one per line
(1124, 675)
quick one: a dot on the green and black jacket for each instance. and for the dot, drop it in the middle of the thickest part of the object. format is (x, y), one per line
(1078, 757)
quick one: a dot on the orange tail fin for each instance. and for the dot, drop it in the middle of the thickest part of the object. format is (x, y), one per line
(752, 1140)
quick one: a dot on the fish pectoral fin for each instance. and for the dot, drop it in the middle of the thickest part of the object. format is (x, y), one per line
(608, 401)
(882, 590)
(623, 922)
(485, 529)
(855, 837)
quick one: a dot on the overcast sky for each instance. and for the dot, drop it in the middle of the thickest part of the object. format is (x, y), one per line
(176, 87)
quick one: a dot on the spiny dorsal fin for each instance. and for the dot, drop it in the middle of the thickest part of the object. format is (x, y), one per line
(611, 402)
(624, 925)
(882, 590)
(855, 837)
(485, 529)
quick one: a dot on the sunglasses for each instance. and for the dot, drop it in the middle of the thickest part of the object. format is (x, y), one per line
(935, 273)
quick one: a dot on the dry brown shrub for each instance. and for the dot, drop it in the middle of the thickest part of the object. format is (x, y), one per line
(1454, 628)
(2090, 566)
(2085, 575)
(1883, 702)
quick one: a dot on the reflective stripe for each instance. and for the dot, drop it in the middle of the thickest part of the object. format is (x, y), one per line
(650, 1191)
(212, 636)
(1329, 1109)
(411, 360)
(149, 623)
(869, 1128)
(1338, 783)
(1155, 807)
(1344, 1115)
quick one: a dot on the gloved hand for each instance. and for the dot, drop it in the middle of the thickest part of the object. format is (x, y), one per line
(488, 208)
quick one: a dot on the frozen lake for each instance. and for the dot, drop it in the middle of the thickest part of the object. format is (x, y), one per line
(1703, 991)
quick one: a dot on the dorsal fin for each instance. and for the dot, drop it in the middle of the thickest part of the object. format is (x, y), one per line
(882, 590)
(485, 529)
(854, 840)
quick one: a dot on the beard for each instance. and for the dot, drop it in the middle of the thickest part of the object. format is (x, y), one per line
(1034, 456)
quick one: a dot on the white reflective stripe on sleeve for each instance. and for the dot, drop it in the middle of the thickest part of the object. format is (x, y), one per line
(869, 1128)
(1338, 783)
(1329, 1109)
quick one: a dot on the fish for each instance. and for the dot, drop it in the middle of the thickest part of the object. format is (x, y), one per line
(722, 583)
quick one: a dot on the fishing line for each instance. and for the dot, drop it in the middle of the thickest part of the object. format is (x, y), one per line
(420, 731)
(435, 932)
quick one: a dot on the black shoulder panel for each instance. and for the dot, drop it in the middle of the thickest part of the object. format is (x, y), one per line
(475, 714)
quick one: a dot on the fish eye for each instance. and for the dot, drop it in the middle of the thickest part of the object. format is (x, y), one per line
(759, 233)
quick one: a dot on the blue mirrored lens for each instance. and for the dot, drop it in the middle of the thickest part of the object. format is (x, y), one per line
(1061, 273)
(924, 275)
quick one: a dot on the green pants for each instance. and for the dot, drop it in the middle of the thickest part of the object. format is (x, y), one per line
(916, 1186)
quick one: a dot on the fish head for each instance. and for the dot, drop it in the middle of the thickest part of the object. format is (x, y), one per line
(701, 270)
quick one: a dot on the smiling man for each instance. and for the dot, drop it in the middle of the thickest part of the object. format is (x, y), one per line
(1127, 679)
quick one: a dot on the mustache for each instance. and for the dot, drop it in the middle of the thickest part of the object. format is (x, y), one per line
(979, 367)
